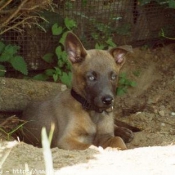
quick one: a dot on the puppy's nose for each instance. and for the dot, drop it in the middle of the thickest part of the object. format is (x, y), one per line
(107, 100)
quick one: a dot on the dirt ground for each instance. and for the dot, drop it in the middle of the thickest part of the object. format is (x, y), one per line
(150, 106)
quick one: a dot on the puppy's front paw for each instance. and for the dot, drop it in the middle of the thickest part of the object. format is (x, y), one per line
(126, 134)
(117, 142)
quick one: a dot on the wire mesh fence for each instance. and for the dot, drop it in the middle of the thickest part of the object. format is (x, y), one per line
(126, 21)
(98, 21)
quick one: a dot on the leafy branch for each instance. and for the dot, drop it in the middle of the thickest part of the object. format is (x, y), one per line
(9, 54)
(124, 83)
(62, 71)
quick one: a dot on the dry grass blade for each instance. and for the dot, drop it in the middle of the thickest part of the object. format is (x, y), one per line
(47, 153)
(10, 123)
(10, 12)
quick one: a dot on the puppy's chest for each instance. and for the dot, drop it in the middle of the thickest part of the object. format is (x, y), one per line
(95, 122)
(89, 129)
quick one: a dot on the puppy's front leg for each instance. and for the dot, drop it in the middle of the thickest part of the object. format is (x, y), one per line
(105, 133)
(72, 144)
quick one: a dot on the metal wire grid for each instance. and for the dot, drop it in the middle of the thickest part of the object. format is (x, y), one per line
(124, 20)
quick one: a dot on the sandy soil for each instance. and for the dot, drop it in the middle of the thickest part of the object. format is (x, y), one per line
(150, 106)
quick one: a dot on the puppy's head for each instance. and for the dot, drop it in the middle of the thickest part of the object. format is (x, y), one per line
(95, 72)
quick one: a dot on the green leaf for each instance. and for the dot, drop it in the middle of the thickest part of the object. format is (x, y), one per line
(48, 57)
(8, 52)
(19, 64)
(11, 49)
(4, 57)
(111, 43)
(49, 72)
(2, 70)
(69, 23)
(62, 40)
(40, 77)
(122, 81)
(133, 84)
(95, 36)
(58, 51)
(66, 78)
(56, 30)
(64, 56)
(121, 91)
(2, 46)
(55, 77)
(58, 71)
(127, 82)
(68, 66)
(123, 75)
(60, 63)
(99, 46)
(172, 4)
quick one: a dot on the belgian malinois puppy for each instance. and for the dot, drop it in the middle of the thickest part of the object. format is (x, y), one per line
(83, 115)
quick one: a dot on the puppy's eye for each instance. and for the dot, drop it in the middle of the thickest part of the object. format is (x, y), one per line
(91, 77)
(113, 77)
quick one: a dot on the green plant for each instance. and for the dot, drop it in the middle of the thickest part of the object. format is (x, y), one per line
(107, 44)
(62, 70)
(101, 35)
(9, 55)
(124, 83)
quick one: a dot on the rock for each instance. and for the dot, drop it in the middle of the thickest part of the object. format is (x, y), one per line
(173, 114)
(15, 94)
(162, 113)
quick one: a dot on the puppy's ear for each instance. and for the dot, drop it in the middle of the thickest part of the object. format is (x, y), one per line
(119, 54)
(74, 48)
